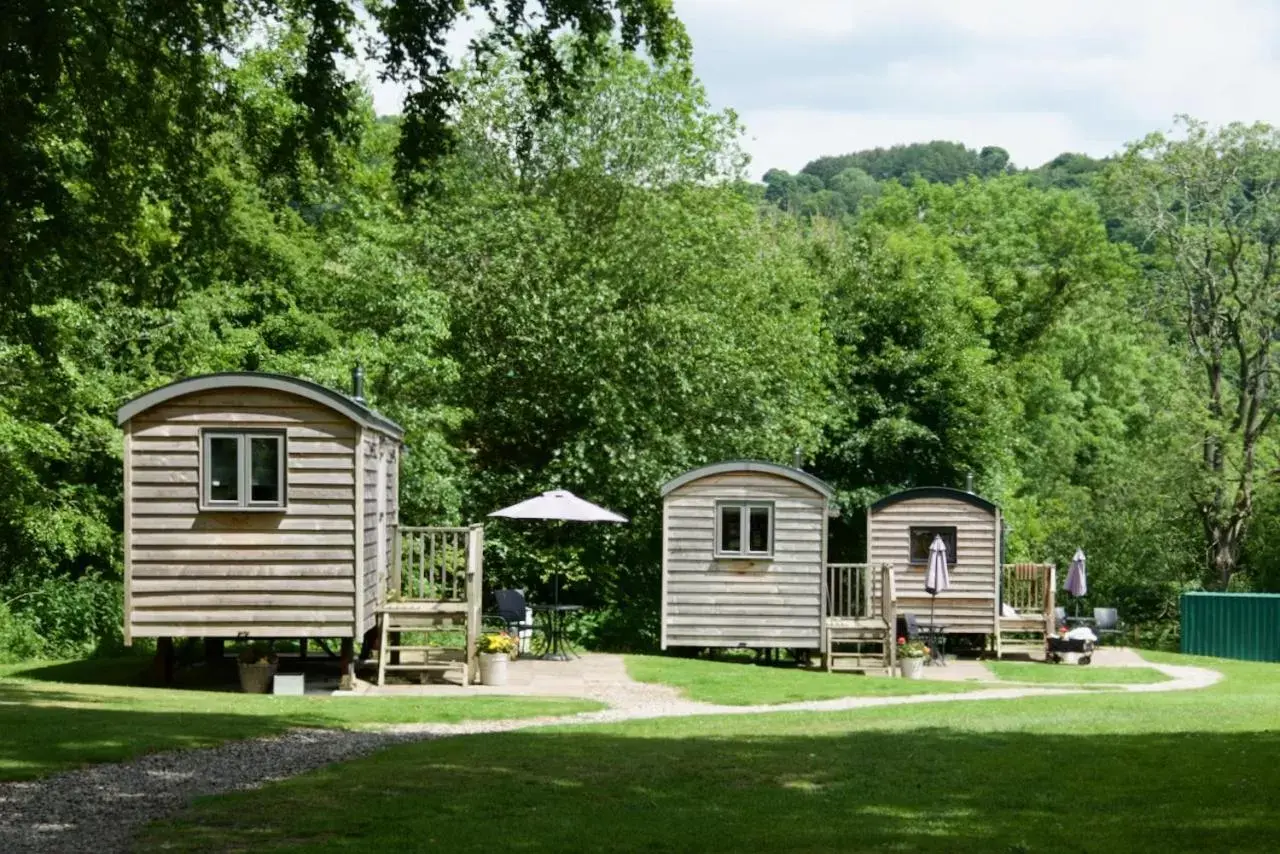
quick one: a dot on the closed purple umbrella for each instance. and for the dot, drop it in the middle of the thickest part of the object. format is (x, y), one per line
(1077, 581)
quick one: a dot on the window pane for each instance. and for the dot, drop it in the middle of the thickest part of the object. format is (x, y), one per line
(731, 529)
(922, 541)
(224, 468)
(759, 532)
(264, 461)
(921, 538)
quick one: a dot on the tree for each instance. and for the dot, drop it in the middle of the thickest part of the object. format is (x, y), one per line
(855, 187)
(940, 161)
(992, 160)
(613, 327)
(1209, 203)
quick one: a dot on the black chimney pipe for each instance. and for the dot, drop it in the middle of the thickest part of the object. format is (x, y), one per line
(357, 383)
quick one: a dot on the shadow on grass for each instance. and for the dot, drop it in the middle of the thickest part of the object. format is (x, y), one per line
(44, 730)
(918, 790)
(140, 672)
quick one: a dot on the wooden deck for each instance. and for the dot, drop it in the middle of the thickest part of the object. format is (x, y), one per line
(857, 631)
(1028, 588)
(435, 586)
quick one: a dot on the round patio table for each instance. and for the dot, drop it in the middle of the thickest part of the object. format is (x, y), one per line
(558, 648)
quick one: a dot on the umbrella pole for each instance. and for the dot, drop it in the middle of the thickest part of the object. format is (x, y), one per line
(933, 637)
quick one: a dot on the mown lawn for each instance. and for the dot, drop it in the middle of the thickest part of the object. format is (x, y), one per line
(1067, 674)
(1098, 772)
(745, 684)
(53, 716)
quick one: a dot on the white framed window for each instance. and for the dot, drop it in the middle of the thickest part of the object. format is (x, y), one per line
(242, 469)
(744, 529)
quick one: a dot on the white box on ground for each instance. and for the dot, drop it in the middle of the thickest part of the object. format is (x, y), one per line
(289, 683)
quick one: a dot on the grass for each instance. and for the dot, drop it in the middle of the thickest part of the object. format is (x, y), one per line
(56, 716)
(1063, 674)
(744, 684)
(1178, 771)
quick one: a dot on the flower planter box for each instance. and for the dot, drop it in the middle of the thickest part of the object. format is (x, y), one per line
(912, 668)
(256, 678)
(493, 668)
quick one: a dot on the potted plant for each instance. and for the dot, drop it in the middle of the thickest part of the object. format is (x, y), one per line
(257, 664)
(911, 658)
(495, 651)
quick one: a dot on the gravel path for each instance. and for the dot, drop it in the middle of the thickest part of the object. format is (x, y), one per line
(99, 808)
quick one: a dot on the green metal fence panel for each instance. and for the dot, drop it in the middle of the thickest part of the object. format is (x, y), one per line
(1232, 625)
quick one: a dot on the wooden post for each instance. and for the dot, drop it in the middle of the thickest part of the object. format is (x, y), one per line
(165, 659)
(368, 643)
(890, 609)
(475, 594)
(302, 649)
(1051, 602)
(393, 585)
(347, 665)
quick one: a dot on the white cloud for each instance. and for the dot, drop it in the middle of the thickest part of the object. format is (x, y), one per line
(814, 77)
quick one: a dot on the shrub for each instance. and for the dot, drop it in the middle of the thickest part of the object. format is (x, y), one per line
(19, 640)
(257, 653)
(72, 617)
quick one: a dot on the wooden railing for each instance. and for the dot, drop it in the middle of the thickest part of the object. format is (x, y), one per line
(848, 590)
(439, 565)
(430, 564)
(1028, 588)
(856, 590)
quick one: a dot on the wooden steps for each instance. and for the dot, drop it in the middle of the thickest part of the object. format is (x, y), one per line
(857, 644)
(398, 617)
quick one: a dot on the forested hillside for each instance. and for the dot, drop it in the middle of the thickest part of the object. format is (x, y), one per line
(835, 186)
(582, 290)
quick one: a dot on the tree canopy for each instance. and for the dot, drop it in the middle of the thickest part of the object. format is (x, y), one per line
(555, 274)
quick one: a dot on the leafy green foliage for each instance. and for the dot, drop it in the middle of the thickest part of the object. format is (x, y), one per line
(555, 274)
(618, 316)
(1210, 203)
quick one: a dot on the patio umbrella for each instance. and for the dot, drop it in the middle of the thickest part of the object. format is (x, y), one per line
(562, 505)
(1077, 581)
(937, 579)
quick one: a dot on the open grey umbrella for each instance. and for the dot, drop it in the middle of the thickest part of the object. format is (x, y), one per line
(1077, 581)
(938, 578)
(563, 505)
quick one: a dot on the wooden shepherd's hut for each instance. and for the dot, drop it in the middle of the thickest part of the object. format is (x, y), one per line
(900, 529)
(256, 506)
(744, 544)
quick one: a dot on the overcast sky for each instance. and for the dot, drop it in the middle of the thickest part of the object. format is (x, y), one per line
(815, 77)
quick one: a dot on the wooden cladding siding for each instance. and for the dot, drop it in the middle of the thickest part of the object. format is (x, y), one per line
(774, 602)
(223, 573)
(373, 573)
(969, 606)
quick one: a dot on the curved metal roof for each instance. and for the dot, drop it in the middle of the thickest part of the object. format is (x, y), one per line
(336, 401)
(801, 477)
(935, 492)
